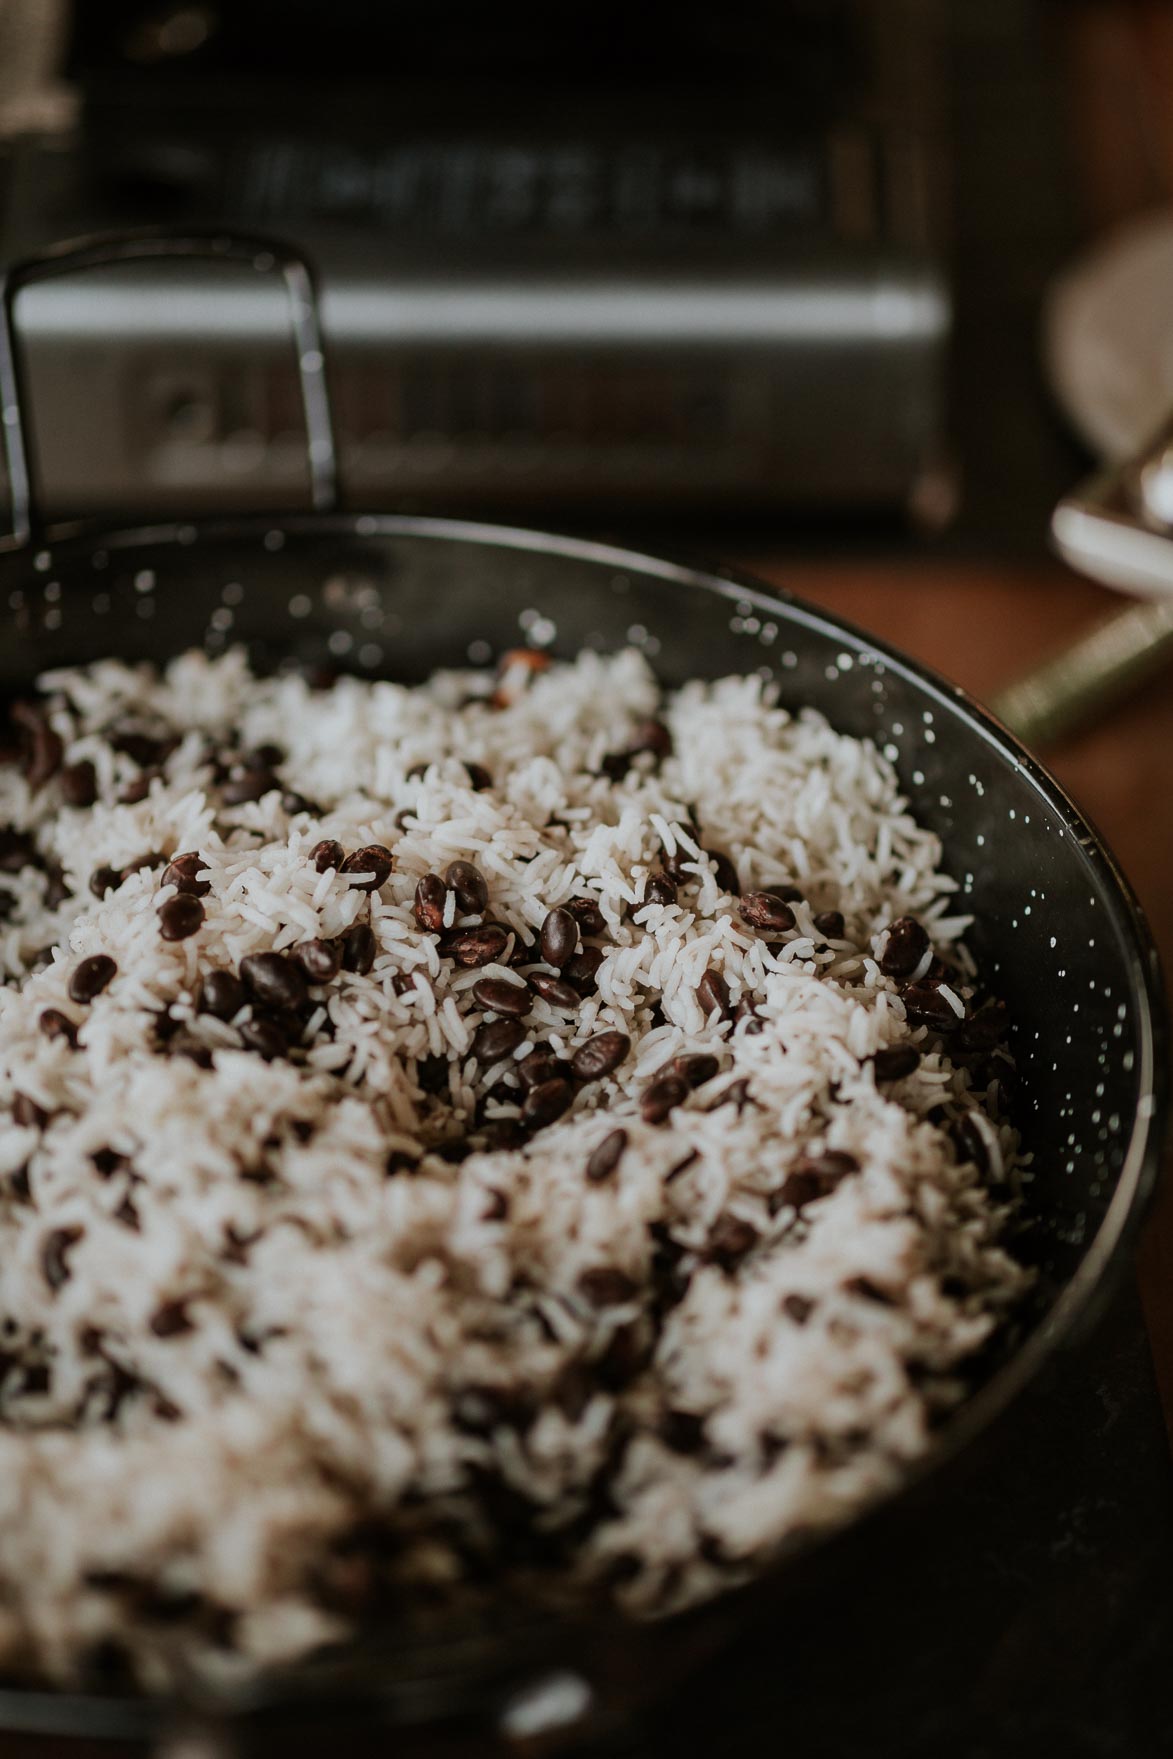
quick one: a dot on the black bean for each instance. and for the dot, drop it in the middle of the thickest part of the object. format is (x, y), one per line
(501, 1133)
(478, 776)
(358, 948)
(896, 1061)
(725, 871)
(105, 879)
(906, 946)
(554, 990)
(374, 861)
(763, 910)
(293, 802)
(144, 749)
(712, 992)
(815, 1176)
(658, 888)
(542, 1065)
(497, 1039)
(320, 960)
(662, 1096)
(91, 977)
(274, 980)
(606, 1286)
(730, 1240)
(290, 1022)
(830, 924)
(183, 871)
(27, 1113)
(180, 917)
(606, 1157)
(600, 1055)
(924, 1005)
(581, 971)
(265, 1037)
(41, 748)
(17, 850)
(589, 917)
(327, 854)
(251, 785)
(473, 947)
(453, 1150)
(54, 1024)
(171, 1320)
(559, 938)
(468, 882)
(55, 1254)
(431, 895)
(615, 765)
(56, 887)
(138, 789)
(263, 757)
(798, 1308)
(524, 952)
(650, 735)
(502, 996)
(221, 994)
(152, 858)
(696, 1069)
(79, 783)
(546, 1103)
(747, 1019)
(984, 1029)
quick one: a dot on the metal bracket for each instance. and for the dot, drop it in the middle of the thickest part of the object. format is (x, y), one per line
(263, 254)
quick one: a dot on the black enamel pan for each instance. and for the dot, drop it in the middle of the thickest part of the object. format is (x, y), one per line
(1056, 930)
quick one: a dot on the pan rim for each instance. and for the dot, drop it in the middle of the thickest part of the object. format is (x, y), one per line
(1081, 1298)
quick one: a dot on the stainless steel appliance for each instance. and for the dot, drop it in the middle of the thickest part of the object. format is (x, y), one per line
(601, 271)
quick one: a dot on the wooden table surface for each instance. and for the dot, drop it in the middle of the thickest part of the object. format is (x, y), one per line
(983, 625)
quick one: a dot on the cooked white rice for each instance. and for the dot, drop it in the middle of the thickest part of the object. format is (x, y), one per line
(261, 1322)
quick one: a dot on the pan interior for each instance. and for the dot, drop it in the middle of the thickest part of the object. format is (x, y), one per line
(1053, 933)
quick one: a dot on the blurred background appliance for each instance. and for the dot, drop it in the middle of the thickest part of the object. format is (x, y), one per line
(584, 259)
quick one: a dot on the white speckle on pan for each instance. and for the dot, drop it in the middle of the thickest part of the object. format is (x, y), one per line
(556, 1701)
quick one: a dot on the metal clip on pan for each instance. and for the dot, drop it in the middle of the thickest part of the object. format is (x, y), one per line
(1116, 528)
(263, 254)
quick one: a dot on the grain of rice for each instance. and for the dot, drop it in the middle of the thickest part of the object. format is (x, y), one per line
(212, 1397)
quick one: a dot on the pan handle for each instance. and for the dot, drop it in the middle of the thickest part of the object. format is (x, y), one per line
(264, 254)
